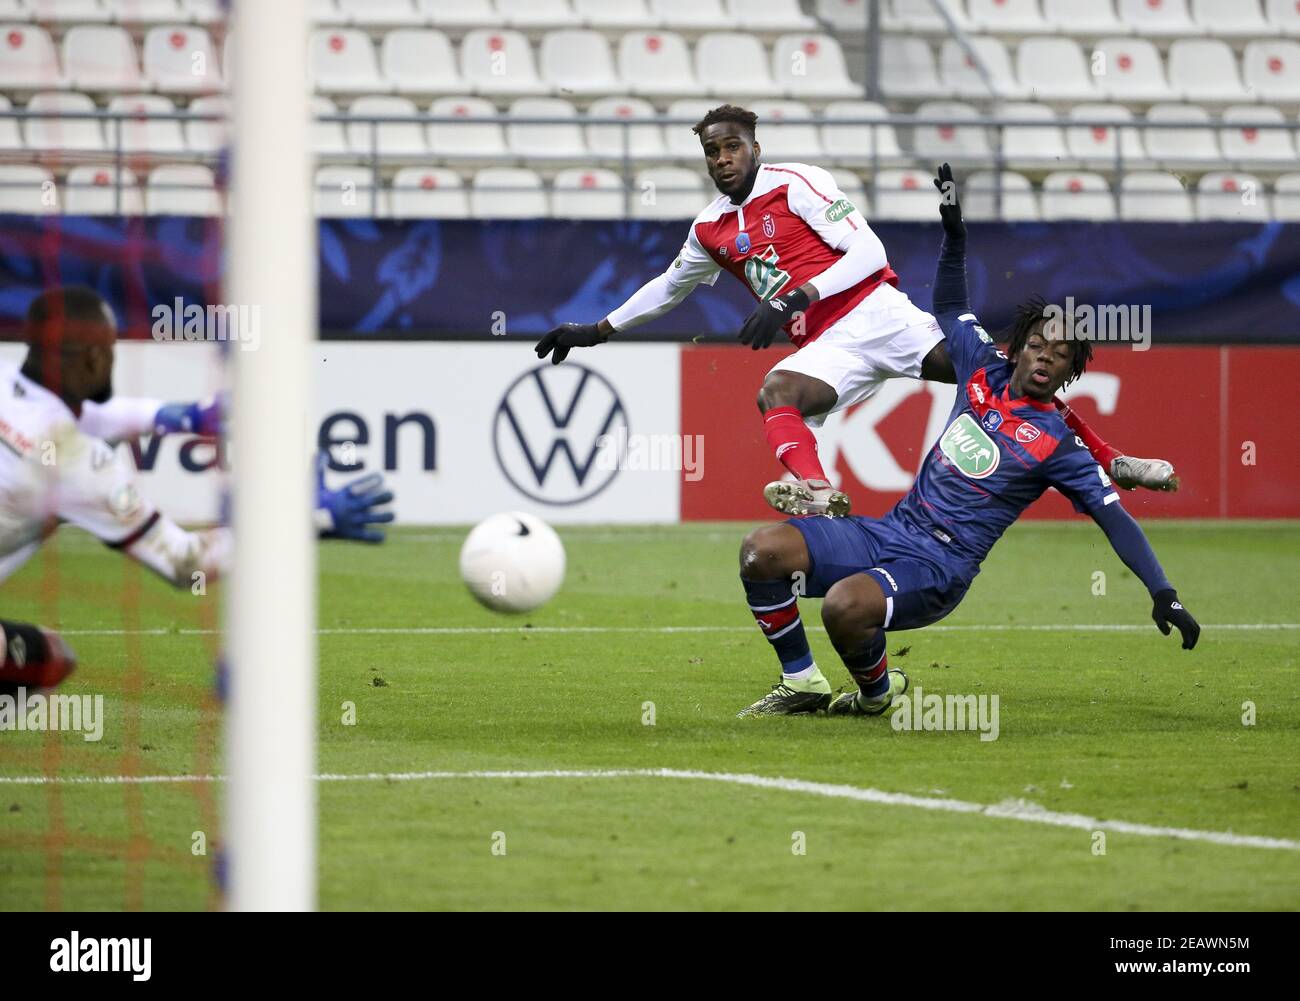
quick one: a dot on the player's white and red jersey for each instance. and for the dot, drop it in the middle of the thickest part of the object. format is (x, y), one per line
(794, 224)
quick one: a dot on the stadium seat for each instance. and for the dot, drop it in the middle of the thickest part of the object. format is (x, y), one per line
(850, 184)
(1272, 70)
(1130, 69)
(1181, 148)
(811, 67)
(1284, 16)
(181, 189)
(68, 11)
(1077, 195)
(691, 15)
(11, 139)
(472, 140)
(920, 16)
(144, 11)
(1007, 17)
(1148, 196)
(1054, 69)
(681, 141)
(380, 13)
(100, 57)
(669, 193)
(979, 198)
(181, 60)
(1027, 146)
(327, 138)
(203, 11)
(62, 133)
(457, 13)
(1158, 18)
(587, 193)
(1231, 18)
(960, 76)
(954, 141)
(325, 12)
(907, 69)
(27, 190)
(1253, 147)
(769, 15)
(391, 139)
(903, 193)
(143, 133)
(1286, 198)
(1084, 18)
(731, 65)
(419, 62)
(348, 193)
(343, 62)
(92, 190)
(428, 193)
(545, 141)
(507, 193)
(29, 61)
(536, 14)
(779, 142)
(644, 142)
(578, 62)
(843, 15)
(609, 14)
(209, 137)
(497, 61)
(859, 144)
(1095, 144)
(656, 63)
(1205, 70)
(1222, 196)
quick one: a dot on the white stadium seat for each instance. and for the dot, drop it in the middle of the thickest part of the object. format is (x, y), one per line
(903, 193)
(1205, 70)
(578, 62)
(536, 13)
(475, 139)
(181, 60)
(858, 144)
(62, 133)
(327, 138)
(1196, 145)
(181, 189)
(1019, 202)
(457, 13)
(1033, 145)
(1231, 18)
(1284, 16)
(1158, 18)
(1007, 17)
(27, 190)
(1272, 70)
(960, 76)
(343, 62)
(656, 63)
(10, 138)
(1147, 196)
(1077, 195)
(952, 140)
(68, 11)
(920, 16)
(1131, 70)
(209, 137)
(853, 189)
(391, 139)
(428, 193)
(507, 193)
(417, 61)
(203, 11)
(380, 13)
(348, 193)
(497, 61)
(92, 190)
(1223, 196)
(545, 140)
(731, 64)
(622, 14)
(27, 58)
(787, 142)
(1095, 144)
(644, 142)
(811, 66)
(690, 15)
(907, 69)
(1084, 18)
(843, 15)
(142, 132)
(587, 193)
(682, 142)
(1255, 147)
(669, 193)
(769, 15)
(100, 57)
(144, 11)
(1286, 198)
(1054, 69)
(325, 12)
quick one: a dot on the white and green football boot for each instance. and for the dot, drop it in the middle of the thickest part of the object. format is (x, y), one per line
(789, 698)
(852, 703)
(803, 497)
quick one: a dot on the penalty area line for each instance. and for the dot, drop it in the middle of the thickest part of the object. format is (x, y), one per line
(1010, 809)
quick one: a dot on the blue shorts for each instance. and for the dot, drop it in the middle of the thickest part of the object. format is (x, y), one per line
(922, 581)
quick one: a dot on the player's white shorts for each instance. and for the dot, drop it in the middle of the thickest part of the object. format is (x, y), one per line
(885, 336)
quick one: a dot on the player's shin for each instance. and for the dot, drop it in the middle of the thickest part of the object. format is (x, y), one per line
(869, 667)
(792, 443)
(776, 610)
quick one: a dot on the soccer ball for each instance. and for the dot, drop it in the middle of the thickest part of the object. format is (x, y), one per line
(512, 562)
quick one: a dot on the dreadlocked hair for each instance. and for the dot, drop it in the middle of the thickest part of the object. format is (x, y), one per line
(1036, 315)
(727, 113)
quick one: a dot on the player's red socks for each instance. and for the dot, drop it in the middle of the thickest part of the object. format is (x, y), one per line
(792, 442)
(869, 666)
(33, 658)
(1102, 452)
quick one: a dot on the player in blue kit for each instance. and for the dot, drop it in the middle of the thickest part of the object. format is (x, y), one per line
(1004, 445)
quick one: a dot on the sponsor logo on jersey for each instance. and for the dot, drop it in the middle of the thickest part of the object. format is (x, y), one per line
(1027, 433)
(742, 243)
(722, 251)
(1105, 480)
(839, 210)
(984, 334)
(769, 225)
(979, 393)
(763, 275)
(992, 421)
(887, 575)
(969, 449)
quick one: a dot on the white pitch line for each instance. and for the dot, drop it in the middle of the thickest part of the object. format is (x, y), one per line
(1012, 809)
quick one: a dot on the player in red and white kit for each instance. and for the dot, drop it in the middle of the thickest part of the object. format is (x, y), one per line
(821, 275)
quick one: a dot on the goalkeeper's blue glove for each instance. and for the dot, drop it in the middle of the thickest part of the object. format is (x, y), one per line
(203, 419)
(348, 513)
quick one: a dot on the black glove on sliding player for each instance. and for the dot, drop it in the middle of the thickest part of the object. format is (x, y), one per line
(566, 336)
(1170, 612)
(770, 316)
(949, 206)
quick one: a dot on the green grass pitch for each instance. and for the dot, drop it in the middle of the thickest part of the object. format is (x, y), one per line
(1118, 725)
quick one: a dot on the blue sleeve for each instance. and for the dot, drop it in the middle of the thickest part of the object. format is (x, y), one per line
(1074, 472)
(950, 295)
(1131, 545)
(969, 345)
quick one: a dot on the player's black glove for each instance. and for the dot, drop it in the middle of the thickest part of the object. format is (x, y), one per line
(1170, 612)
(569, 335)
(770, 316)
(949, 205)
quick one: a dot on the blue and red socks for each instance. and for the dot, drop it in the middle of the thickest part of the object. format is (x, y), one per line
(776, 610)
(869, 667)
